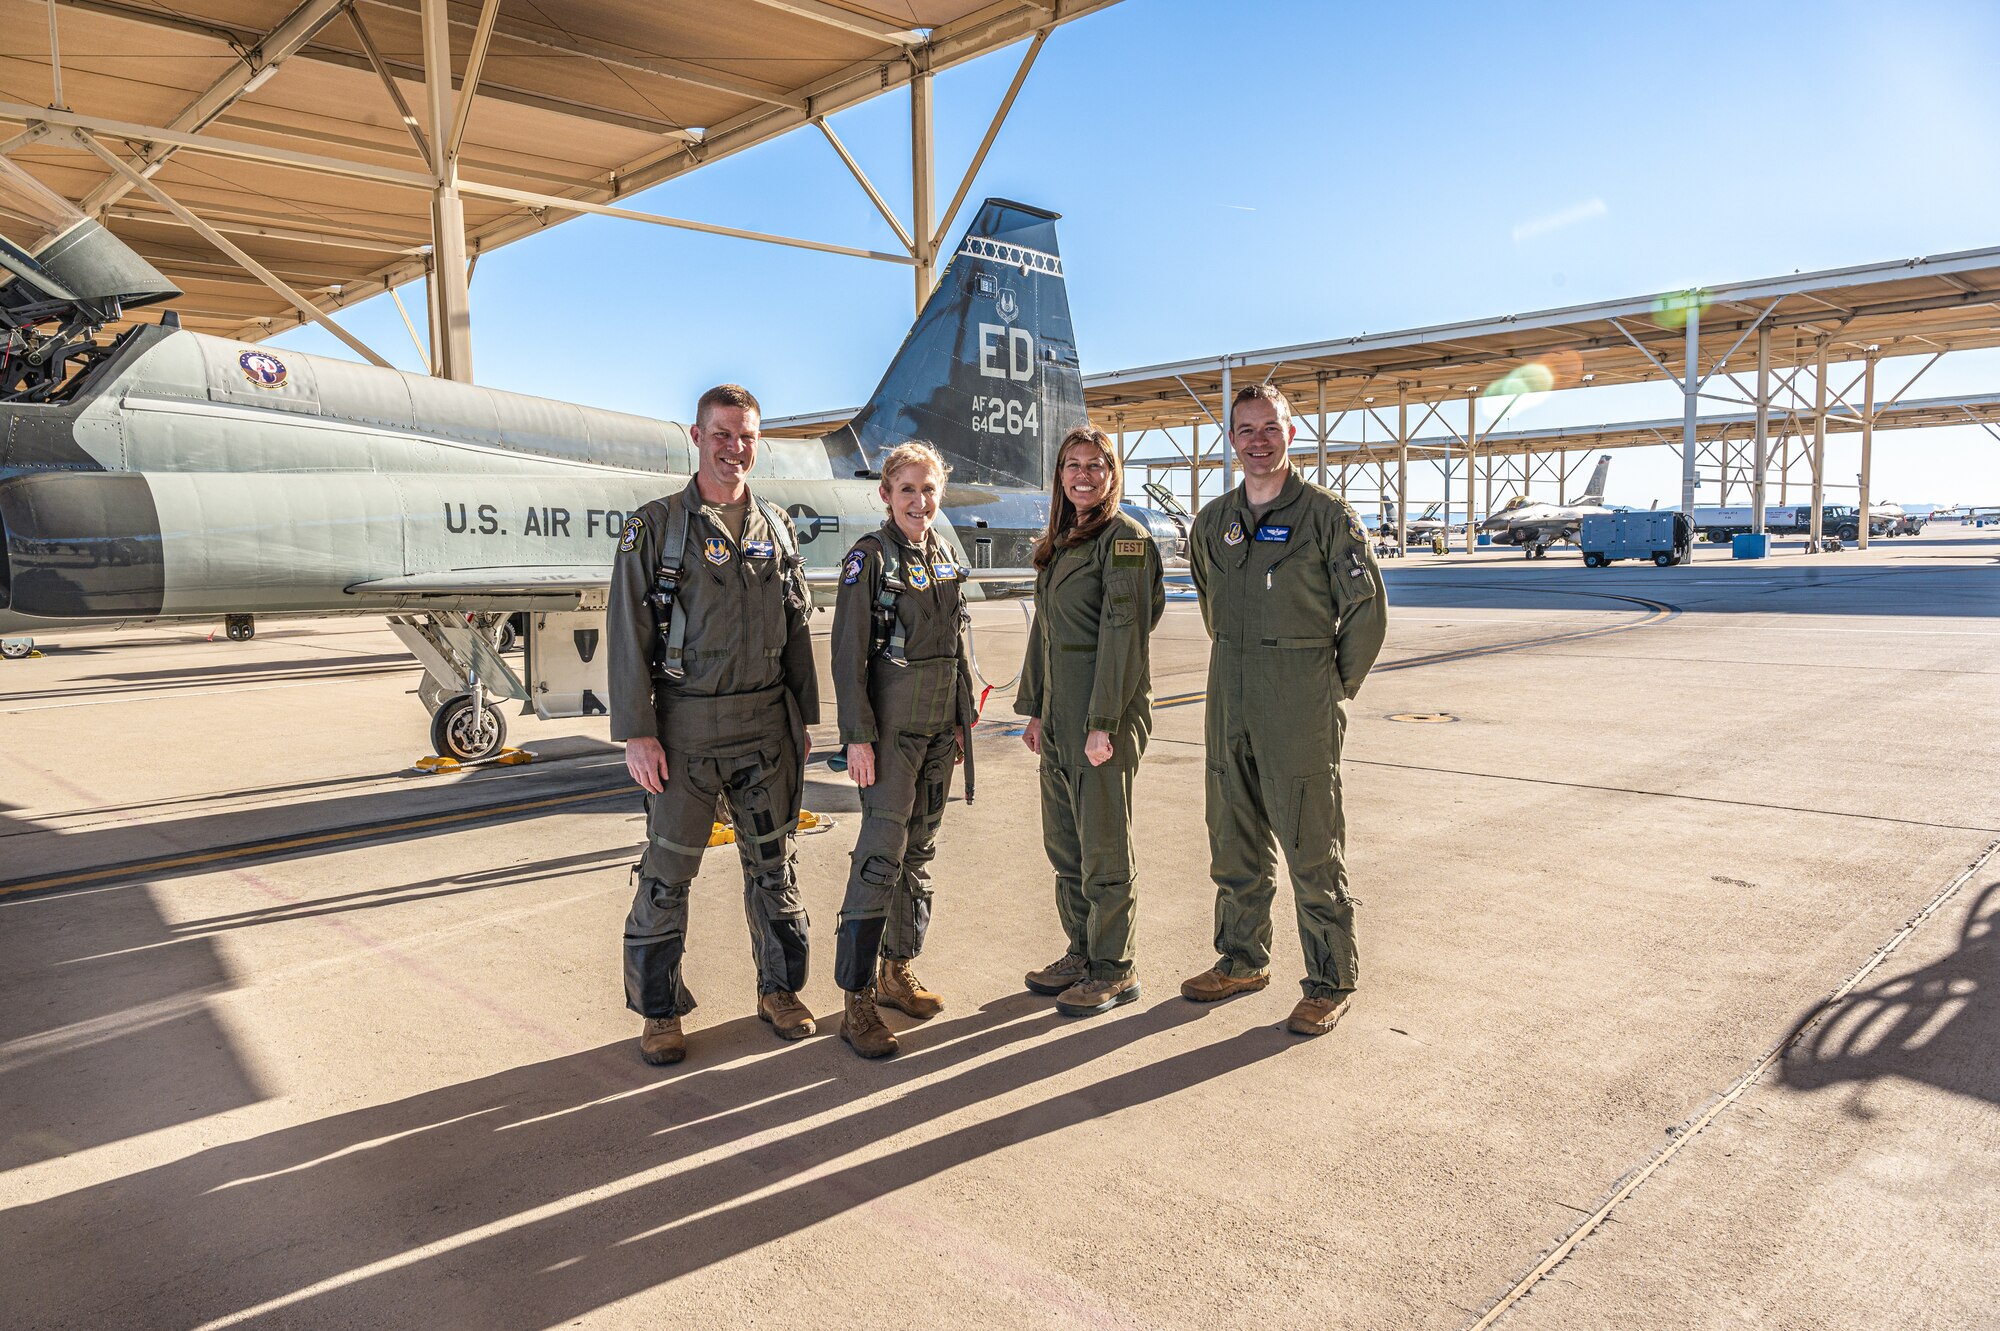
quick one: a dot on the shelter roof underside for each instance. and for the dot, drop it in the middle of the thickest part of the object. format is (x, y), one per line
(1921, 306)
(591, 100)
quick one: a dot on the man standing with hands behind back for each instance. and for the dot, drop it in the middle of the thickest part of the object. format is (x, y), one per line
(712, 687)
(1294, 600)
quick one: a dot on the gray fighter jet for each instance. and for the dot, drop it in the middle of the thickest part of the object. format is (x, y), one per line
(167, 475)
(1535, 527)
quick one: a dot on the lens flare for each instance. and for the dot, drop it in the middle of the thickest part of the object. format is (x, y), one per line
(1672, 311)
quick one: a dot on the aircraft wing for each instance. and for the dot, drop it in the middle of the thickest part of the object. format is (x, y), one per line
(568, 579)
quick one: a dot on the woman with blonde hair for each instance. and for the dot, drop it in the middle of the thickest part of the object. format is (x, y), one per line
(1087, 690)
(902, 674)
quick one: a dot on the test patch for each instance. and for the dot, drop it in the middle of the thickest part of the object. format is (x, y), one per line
(758, 550)
(634, 529)
(850, 572)
(1270, 533)
(1127, 553)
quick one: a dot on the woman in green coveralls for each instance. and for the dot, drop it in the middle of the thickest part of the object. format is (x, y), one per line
(1087, 690)
(903, 676)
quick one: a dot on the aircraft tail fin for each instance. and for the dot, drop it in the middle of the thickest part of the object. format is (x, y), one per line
(1594, 492)
(988, 373)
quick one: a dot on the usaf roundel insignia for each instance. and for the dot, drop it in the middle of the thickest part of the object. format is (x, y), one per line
(1234, 536)
(850, 573)
(919, 576)
(263, 369)
(715, 550)
(634, 528)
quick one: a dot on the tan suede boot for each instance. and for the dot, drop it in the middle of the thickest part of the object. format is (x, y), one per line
(1059, 975)
(861, 1026)
(1212, 986)
(661, 1041)
(898, 986)
(1317, 1016)
(791, 1019)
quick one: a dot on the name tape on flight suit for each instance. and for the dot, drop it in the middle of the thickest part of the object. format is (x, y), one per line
(758, 549)
(1274, 533)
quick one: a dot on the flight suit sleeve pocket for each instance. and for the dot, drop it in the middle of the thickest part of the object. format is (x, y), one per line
(1121, 601)
(1353, 580)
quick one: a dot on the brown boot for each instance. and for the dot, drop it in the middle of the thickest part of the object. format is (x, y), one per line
(1317, 1016)
(1059, 975)
(861, 1026)
(790, 1018)
(898, 986)
(1087, 998)
(661, 1041)
(1212, 986)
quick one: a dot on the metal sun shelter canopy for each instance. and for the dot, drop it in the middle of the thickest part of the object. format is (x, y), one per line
(1765, 345)
(283, 159)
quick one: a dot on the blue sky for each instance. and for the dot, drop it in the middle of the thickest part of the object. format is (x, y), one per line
(1245, 176)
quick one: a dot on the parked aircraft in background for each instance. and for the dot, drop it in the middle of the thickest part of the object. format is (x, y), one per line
(169, 475)
(1535, 527)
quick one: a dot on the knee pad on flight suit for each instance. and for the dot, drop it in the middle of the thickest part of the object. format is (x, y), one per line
(655, 942)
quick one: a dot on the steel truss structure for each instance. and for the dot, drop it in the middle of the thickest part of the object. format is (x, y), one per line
(281, 160)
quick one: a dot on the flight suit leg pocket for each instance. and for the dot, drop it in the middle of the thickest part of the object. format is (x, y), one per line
(1312, 804)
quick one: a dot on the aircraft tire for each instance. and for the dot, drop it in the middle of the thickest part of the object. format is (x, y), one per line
(505, 639)
(457, 733)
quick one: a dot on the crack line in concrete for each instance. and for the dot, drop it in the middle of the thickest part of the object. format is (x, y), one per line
(1691, 1126)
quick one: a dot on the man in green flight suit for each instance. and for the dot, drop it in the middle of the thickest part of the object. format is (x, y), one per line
(712, 686)
(1294, 601)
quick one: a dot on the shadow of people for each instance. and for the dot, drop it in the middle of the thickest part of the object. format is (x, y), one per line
(557, 1266)
(1938, 1024)
(237, 1226)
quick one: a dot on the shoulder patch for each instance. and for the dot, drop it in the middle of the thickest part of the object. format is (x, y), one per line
(850, 572)
(635, 527)
(1128, 553)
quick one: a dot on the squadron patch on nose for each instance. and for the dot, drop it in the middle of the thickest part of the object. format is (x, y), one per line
(850, 572)
(715, 550)
(1234, 536)
(634, 529)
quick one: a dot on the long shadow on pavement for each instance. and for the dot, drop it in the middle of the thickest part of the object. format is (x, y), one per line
(341, 1207)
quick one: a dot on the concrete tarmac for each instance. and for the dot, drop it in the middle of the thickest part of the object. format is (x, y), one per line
(290, 1037)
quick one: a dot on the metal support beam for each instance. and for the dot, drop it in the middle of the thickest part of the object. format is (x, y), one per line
(1321, 378)
(868, 187)
(1194, 467)
(217, 239)
(451, 352)
(923, 191)
(1690, 401)
(1228, 430)
(1402, 468)
(1867, 448)
(55, 62)
(1763, 437)
(381, 68)
(986, 143)
(475, 64)
(1817, 531)
(680, 71)
(243, 78)
(1471, 452)
(551, 201)
(861, 25)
